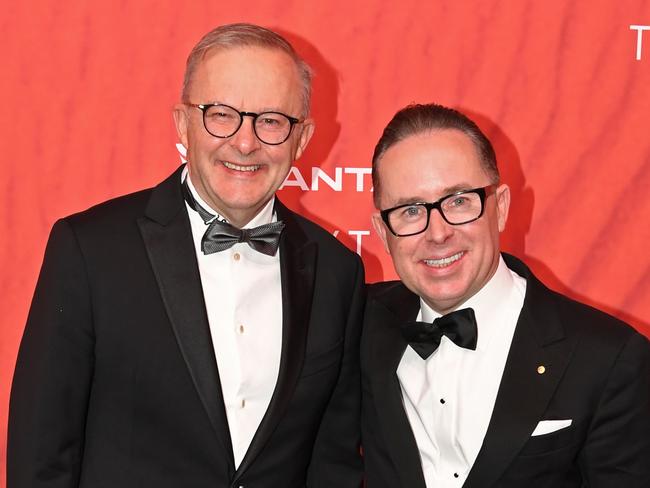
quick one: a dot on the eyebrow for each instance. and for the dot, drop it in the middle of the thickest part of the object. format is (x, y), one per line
(261, 111)
(456, 188)
(450, 190)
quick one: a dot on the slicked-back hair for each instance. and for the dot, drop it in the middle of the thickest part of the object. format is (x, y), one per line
(245, 35)
(419, 118)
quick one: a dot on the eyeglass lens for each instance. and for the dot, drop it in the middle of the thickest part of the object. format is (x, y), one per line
(456, 209)
(224, 121)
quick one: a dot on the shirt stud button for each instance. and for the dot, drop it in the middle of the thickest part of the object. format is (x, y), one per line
(236, 256)
(442, 400)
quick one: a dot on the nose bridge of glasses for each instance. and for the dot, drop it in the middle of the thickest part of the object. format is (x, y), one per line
(435, 206)
(438, 222)
(245, 134)
(252, 115)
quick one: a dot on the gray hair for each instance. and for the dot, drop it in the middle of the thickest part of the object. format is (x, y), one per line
(239, 35)
(418, 118)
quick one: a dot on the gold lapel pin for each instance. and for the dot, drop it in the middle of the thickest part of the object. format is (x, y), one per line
(541, 369)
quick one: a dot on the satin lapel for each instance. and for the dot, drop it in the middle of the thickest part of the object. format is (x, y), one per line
(385, 314)
(297, 270)
(524, 392)
(167, 237)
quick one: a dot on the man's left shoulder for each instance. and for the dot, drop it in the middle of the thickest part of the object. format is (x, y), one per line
(594, 327)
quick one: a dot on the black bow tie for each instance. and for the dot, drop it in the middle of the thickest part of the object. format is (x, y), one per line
(459, 326)
(221, 235)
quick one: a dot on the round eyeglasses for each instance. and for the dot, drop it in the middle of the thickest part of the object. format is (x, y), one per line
(458, 208)
(223, 121)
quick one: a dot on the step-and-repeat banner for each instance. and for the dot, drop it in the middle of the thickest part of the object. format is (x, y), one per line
(562, 89)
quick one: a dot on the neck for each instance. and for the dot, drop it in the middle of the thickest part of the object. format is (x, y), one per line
(239, 218)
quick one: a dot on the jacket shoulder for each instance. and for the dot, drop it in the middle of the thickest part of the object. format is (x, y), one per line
(577, 318)
(160, 202)
(125, 207)
(595, 325)
(384, 288)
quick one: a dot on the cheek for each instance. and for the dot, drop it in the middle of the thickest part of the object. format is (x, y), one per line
(200, 144)
(486, 249)
(482, 236)
(195, 131)
(491, 236)
(279, 159)
(402, 252)
(291, 149)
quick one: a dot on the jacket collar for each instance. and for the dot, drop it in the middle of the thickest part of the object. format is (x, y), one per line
(524, 393)
(167, 236)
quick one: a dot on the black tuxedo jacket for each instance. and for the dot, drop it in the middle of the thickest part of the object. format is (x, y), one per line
(597, 373)
(116, 383)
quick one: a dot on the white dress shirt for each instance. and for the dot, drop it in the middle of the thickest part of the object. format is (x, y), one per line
(243, 298)
(449, 397)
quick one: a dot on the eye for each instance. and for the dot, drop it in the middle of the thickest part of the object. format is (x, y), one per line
(458, 201)
(411, 212)
(219, 115)
(269, 121)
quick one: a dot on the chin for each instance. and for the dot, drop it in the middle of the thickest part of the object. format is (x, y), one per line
(446, 299)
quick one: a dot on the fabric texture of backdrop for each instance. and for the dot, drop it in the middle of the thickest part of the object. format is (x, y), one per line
(561, 88)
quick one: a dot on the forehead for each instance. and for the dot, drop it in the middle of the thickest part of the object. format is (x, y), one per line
(248, 78)
(429, 165)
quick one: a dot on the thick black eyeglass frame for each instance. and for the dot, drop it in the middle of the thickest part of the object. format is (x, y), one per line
(203, 107)
(481, 192)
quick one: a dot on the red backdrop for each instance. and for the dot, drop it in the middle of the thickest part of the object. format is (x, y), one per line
(562, 88)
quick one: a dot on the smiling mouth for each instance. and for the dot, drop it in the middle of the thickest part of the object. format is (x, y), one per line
(441, 263)
(237, 167)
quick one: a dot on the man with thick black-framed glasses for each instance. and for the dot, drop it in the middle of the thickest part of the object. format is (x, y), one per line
(199, 334)
(474, 374)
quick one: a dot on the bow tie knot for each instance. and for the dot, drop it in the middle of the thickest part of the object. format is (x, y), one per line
(459, 326)
(220, 235)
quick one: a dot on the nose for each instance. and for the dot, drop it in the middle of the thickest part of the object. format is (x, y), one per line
(245, 140)
(438, 230)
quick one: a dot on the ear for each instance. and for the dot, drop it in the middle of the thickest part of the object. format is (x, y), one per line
(181, 119)
(307, 131)
(380, 228)
(503, 205)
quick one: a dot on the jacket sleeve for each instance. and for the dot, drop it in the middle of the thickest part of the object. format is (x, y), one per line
(617, 449)
(336, 457)
(53, 374)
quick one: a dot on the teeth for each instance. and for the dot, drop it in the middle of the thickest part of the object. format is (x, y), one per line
(236, 167)
(440, 263)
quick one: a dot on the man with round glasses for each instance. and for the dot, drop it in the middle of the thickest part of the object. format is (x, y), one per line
(223, 121)
(199, 334)
(474, 374)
